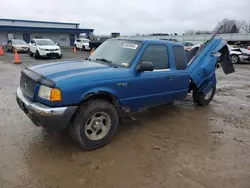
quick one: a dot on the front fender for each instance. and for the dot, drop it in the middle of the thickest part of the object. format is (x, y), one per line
(98, 90)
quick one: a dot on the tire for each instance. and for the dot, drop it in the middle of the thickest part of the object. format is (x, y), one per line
(83, 48)
(235, 59)
(31, 54)
(37, 55)
(59, 57)
(83, 117)
(202, 99)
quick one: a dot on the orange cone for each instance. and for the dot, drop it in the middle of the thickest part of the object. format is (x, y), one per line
(1, 50)
(17, 60)
(74, 49)
(92, 51)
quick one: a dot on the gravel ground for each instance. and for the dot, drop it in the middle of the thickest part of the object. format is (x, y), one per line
(179, 145)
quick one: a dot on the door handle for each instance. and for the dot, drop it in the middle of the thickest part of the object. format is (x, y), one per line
(170, 77)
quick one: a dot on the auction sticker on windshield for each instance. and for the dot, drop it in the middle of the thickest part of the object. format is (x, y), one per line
(130, 46)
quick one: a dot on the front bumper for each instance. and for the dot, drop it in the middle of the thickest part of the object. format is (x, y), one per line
(41, 115)
(44, 53)
(87, 48)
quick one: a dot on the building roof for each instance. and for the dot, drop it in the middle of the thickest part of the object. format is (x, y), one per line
(44, 29)
(34, 21)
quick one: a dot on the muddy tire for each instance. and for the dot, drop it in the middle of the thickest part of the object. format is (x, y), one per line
(95, 124)
(202, 99)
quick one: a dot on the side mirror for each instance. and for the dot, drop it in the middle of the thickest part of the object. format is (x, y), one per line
(34, 44)
(145, 66)
(56, 43)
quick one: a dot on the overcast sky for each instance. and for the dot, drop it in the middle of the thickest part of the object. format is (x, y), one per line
(130, 16)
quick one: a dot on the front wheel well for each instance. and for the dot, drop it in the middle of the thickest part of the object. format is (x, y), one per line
(106, 96)
(102, 95)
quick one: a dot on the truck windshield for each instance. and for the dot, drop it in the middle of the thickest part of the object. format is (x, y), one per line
(120, 52)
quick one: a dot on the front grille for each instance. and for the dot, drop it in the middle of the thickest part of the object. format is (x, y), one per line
(27, 85)
(51, 50)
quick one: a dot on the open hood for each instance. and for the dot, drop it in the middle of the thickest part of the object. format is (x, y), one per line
(203, 65)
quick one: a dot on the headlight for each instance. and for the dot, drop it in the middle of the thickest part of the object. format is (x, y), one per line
(51, 94)
(42, 49)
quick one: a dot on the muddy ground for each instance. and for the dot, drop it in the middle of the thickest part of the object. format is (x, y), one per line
(180, 145)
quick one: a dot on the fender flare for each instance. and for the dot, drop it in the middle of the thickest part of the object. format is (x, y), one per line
(101, 91)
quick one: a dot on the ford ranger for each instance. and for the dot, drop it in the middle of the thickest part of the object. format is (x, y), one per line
(88, 97)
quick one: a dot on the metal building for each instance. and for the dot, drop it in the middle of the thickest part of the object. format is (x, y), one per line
(63, 33)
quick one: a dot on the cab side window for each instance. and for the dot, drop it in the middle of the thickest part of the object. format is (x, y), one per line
(158, 55)
(179, 57)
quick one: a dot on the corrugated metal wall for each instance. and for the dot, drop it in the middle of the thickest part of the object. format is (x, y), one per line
(62, 38)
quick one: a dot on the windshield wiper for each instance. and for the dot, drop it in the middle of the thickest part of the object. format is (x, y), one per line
(106, 61)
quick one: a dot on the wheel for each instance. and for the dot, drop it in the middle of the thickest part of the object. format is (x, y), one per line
(202, 99)
(37, 55)
(83, 48)
(30, 53)
(235, 58)
(95, 124)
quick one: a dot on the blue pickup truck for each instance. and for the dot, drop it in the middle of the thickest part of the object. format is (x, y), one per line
(123, 75)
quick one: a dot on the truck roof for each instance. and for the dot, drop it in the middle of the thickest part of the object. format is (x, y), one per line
(151, 40)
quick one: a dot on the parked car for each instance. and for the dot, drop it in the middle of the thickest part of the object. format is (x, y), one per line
(44, 48)
(82, 44)
(18, 44)
(123, 75)
(95, 44)
(188, 45)
(238, 55)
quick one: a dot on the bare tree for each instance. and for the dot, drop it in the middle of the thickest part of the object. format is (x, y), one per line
(245, 26)
(240, 24)
(229, 26)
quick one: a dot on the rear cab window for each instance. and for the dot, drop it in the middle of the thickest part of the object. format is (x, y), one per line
(158, 55)
(179, 57)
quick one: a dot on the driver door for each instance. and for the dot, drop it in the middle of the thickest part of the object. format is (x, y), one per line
(152, 87)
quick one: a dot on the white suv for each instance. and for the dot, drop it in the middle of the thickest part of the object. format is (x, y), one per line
(44, 48)
(82, 44)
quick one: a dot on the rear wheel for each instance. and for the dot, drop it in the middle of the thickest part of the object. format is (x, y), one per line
(95, 124)
(235, 58)
(202, 99)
